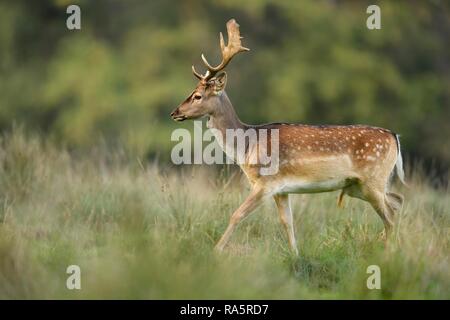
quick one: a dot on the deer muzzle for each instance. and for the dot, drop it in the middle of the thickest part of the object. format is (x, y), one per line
(177, 115)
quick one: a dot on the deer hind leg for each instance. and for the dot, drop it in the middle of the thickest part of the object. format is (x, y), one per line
(249, 204)
(379, 201)
(395, 201)
(340, 200)
(284, 210)
(353, 190)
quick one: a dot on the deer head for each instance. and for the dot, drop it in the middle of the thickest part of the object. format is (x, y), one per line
(207, 96)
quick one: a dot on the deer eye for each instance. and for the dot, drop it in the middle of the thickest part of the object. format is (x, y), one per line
(197, 96)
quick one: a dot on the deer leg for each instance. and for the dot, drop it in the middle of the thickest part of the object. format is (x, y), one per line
(250, 204)
(284, 210)
(379, 202)
(340, 200)
(394, 200)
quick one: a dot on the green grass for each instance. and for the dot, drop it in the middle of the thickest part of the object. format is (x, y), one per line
(139, 231)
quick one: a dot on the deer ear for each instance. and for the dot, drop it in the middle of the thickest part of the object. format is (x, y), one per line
(220, 82)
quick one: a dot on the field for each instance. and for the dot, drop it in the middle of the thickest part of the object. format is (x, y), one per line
(146, 231)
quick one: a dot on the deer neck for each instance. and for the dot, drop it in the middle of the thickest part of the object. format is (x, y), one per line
(224, 117)
(222, 121)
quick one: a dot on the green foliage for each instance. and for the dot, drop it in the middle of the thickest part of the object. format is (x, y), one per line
(118, 78)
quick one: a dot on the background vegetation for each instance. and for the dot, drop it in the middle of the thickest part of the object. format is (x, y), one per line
(85, 172)
(118, 78)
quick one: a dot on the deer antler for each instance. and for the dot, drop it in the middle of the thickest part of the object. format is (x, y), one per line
(233, 47)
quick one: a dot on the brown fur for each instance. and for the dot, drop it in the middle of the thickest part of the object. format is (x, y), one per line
(357, 159)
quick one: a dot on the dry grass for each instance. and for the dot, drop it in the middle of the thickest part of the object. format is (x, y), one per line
(139, 231)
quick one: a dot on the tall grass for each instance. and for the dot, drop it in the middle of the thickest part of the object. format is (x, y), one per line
(139, 231)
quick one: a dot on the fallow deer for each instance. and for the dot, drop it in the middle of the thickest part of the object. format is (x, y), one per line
(357, 159)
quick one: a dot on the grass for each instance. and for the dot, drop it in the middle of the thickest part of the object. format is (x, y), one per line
(139, 231)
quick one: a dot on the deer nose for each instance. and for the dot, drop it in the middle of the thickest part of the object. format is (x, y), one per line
(174, 112)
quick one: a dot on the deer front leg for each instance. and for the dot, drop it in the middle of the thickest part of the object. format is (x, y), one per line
(250, 204)
(284, 210)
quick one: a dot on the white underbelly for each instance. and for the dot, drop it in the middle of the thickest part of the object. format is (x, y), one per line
(304, 186)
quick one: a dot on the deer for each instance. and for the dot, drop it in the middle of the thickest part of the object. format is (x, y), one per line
(359, 160)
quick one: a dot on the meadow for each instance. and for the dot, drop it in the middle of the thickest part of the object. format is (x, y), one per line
(144, 230)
